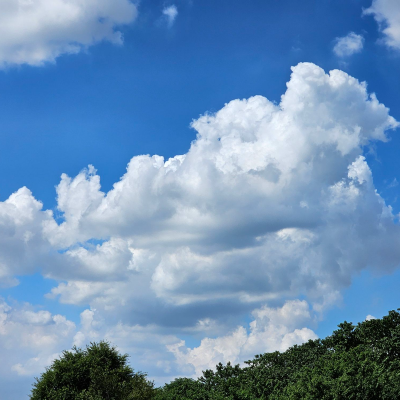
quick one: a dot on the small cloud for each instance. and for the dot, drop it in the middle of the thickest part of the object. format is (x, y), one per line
(369, 317)
(348, 45)
(170, 13)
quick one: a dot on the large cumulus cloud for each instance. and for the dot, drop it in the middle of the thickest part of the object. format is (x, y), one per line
(38, 31)
(271, 202)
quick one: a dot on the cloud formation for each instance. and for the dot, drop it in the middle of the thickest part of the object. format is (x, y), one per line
(348, 45)
(31, 339)
(387, 15)
(37, 31)
(270, 203)
(271, 330)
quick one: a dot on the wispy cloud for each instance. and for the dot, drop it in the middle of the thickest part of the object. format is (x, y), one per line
(393, 184)
(170, 13)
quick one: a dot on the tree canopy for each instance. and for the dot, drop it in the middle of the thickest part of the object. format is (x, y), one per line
(355, 362)
(97, 372)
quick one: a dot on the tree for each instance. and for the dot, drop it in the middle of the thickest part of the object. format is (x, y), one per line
(97, 372)
(183, 389)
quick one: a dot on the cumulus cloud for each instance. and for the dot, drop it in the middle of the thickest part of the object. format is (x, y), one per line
(282, 189)
(30, 339)
(348, 45)
(37, 31)
(170, 13)
(22, 244)
(272, 329)
(270, 203)
(387, 15)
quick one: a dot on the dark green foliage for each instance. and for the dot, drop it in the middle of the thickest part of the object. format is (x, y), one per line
(182, 389)
(355, 362)
(98, 372)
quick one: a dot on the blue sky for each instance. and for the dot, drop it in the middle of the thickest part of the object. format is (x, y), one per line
(274, 219)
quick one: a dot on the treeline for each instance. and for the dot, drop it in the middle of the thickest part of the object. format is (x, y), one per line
(355, 362)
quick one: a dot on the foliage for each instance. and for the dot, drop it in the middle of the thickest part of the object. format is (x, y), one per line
(98, 372)
(355, 362)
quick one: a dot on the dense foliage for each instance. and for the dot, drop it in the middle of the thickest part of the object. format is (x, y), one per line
(98, 372)
(355, 362)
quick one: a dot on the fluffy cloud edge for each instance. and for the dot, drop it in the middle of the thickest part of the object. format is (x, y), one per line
(348, 45)
(387, 15)
(272, 329)
(36, 33)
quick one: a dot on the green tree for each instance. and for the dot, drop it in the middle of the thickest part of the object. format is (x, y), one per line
(97, 372)
(183, 389)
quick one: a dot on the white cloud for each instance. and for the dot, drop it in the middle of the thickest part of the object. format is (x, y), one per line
(271, 202)
(30, 340)
(281, 189)
(272, 329)
(348, 45)
(387, 14)
(37, 31)
(21, 239)
(170, 13)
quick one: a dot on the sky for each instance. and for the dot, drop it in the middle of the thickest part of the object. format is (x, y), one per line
(194, 181)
